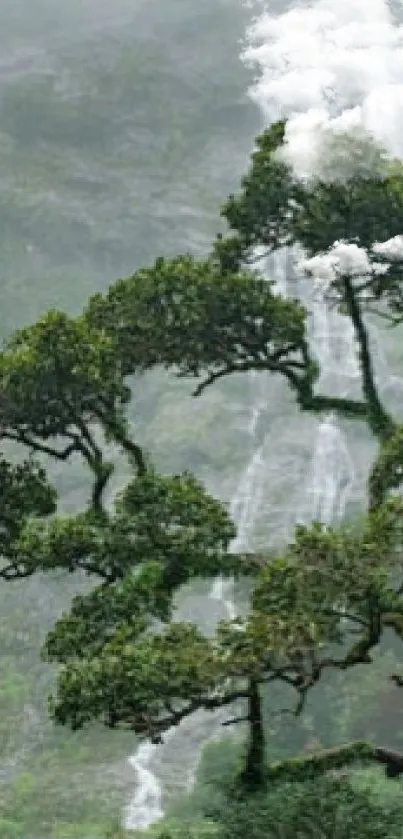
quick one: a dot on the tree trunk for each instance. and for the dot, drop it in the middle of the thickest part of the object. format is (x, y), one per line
(253, 774)
(381, 424)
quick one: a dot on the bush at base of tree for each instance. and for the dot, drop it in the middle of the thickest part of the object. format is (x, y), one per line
(321, 808)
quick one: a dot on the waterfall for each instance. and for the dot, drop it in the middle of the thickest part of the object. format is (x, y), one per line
(331, 475)
(145, 807)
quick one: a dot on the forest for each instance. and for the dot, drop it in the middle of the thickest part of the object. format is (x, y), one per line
(319, 616)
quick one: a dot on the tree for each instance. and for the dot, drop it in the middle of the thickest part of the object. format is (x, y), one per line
(328, 600)
(200, 322)
(356, 194)
(219, 317)
(352, 204)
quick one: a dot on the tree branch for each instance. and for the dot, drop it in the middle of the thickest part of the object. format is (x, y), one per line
(301, 768)
(26, 440)
(154, 729)
(379, 420)
(131, 448)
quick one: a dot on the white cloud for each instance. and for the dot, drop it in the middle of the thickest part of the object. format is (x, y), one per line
(329, 65)
(391, 249)
(341, 258)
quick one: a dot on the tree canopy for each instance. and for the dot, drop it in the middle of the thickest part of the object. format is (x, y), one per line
(58, 380)
(25, 494)
(324, 604)
(327, 600)
(183, 313)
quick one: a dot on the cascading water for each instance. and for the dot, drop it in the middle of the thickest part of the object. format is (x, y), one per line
(331, 476)
(146, 805)
(332, 64)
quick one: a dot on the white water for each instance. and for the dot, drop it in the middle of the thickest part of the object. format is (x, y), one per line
(331, 475)
(324, 65)
(146, 805)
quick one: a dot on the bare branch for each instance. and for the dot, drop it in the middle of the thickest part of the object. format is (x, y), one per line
(26, 440)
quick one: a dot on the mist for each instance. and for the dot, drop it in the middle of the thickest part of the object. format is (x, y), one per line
(122, 127)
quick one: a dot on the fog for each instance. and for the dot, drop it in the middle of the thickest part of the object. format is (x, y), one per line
(122, 127)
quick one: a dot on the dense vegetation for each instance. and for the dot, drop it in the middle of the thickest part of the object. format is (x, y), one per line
(326, 602)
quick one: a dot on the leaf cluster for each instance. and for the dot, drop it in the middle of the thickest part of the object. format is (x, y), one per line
(185, 314)
(25, 493)
(57, 374)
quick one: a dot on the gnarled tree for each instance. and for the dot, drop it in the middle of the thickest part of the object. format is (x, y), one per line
(328, 600)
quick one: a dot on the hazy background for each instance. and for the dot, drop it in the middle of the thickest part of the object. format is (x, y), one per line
(123, 125)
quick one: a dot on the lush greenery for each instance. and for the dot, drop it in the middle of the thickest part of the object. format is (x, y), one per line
(336, 804)
(326, 603)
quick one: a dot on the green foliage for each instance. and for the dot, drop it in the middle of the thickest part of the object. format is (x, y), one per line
(93, 618)
(170, 520)
(305, 768)
(355, 195)
(328, 584)
(165, 532)
(189, 530)
(260, 213)
(212, 318)
(366, 209)
(329, 808)
(387, 471)
(335, 798)
(138, 681)
(323, 604)
(326, 571)
(185, 314)
(25, 493)
(58, 378)
(56, 375)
